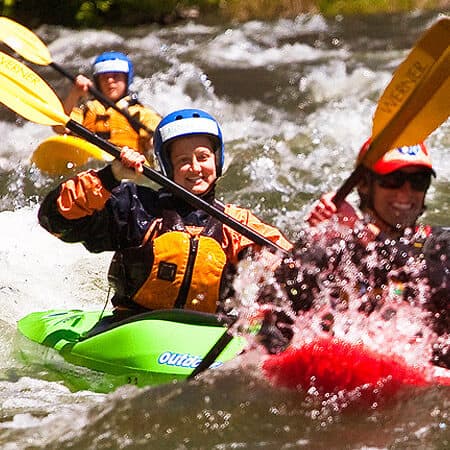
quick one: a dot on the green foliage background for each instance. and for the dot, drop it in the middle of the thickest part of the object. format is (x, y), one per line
(97, 13)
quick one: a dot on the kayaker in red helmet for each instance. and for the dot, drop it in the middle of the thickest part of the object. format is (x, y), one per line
(113, 75)
(167, 253)
(378, 255)
(392, 193)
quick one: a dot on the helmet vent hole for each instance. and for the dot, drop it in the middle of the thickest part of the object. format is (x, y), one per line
(178, 117)
(196, 115)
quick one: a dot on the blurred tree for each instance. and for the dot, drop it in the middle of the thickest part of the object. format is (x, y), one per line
(98, 13)
(36, 12)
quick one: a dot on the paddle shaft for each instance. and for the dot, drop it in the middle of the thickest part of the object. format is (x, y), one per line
(175, 188)
(136, 124)
(348, 185)
(213, 354)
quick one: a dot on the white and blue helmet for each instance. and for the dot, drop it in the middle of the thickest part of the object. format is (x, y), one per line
(114, 62)
(186, 122)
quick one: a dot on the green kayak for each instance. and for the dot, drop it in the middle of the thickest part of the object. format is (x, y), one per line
(162, 346)
(151, 348)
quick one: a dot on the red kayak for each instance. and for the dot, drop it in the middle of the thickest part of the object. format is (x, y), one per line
(332, 365)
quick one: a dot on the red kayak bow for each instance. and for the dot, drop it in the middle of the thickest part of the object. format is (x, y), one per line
(332, 365)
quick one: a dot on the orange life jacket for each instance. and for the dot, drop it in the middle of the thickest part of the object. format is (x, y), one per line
(187, 268)
(113, 126)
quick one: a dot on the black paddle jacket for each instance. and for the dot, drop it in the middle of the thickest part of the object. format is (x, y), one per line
(104, 215)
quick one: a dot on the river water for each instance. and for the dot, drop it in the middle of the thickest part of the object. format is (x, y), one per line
(295, 99)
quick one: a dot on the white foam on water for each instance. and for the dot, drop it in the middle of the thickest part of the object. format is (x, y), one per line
(66, 46)
(40, 272)
(19, 142)
(237, 50)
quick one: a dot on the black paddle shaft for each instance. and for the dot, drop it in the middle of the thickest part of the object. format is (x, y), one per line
(212, 355)
(348, 185)
(136, 124)
(176, 189)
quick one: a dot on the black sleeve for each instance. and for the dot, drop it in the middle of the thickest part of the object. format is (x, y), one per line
(122, 223)
(436, 250)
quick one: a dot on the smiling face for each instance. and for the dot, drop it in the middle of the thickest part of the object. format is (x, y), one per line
(113, 84)
(398, 207)
(194, 163)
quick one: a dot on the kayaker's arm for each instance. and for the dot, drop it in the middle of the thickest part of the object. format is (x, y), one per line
(237, 245)
(95, 209)
(79, 90)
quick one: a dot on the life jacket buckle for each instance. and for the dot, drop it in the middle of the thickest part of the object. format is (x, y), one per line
(166, 271)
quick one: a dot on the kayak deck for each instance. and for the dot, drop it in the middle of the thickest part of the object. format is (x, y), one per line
(150, 348)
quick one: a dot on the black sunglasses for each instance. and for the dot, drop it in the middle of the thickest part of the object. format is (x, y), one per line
(419, 181)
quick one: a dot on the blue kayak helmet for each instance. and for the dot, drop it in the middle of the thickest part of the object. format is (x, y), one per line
(186, 122)
(114, 62)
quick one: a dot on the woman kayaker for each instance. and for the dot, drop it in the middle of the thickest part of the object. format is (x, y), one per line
(167, 253)
(392, 193)
(113, 75)
(378, 253)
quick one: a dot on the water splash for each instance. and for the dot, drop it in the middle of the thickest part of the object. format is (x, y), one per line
(373, 294)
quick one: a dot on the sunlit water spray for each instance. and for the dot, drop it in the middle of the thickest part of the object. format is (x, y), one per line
(368, 300)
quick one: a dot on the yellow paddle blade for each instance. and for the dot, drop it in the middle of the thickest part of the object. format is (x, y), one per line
(24, 42)
(416, 101)
(61, 155)
(29, 95)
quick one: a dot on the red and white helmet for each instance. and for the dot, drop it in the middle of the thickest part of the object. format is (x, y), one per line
(397, 158)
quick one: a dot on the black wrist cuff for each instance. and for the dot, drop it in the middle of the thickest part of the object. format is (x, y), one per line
(107, 178)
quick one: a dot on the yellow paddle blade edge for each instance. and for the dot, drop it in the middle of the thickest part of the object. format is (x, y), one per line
(416, 100)
(61, 155)
(24, 42)
(27, 94)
